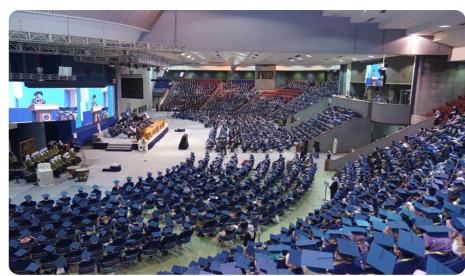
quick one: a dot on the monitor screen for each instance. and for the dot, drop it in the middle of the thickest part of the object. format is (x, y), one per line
(66, 103)
(132, 88)
(374, 75)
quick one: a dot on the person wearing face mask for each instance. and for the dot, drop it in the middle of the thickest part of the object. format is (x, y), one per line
(457, 264)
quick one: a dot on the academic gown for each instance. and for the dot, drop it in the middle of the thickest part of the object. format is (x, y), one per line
(347, 268)
(407, 266)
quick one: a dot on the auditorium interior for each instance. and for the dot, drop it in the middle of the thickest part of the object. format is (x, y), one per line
(196, 142)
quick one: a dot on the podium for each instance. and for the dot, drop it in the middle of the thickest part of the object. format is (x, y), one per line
(96, 118)
(43, 112)
(95, 113)
(45, 174)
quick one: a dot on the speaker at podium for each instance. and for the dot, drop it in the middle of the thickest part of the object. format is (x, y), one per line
(184, 143)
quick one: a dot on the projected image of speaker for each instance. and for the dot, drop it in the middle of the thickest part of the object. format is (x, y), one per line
(184, 143)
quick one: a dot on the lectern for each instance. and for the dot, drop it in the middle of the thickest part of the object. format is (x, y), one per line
(95, 113)
(96, 118)
(43, 112)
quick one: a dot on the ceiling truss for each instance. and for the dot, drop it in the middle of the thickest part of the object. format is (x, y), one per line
(87, 49)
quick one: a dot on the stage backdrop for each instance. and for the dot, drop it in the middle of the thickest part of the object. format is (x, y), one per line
(75, 103)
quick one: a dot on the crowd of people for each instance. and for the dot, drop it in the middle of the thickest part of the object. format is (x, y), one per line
(240, 118)
(55, 154)
(128, 127)
(303, 85)
(399, 210)
(310, 96)
(255, 133)
(189, 95)
(230, 98)
(115, 228)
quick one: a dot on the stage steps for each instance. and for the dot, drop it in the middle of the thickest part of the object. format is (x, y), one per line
(119, 147)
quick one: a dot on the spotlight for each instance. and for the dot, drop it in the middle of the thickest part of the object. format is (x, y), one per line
(148, 69)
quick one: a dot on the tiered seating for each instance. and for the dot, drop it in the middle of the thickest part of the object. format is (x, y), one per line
(451, 109)
(189, 94)
(324, 121)
(261, 105)
(253, 133)
(230, 98)
(152, 216)
(310, 96)
(252, 126)
(399, 210)
(302, 85)
(285, 93)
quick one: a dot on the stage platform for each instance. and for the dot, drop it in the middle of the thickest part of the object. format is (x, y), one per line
(120, 144)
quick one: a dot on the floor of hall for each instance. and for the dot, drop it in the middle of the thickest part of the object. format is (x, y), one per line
(164, 155)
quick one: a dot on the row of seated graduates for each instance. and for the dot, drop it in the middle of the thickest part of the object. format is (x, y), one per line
(311, 95)
(299, 84)
(253, 133)
(231, 97)
(130, 125)
(252, 128)
(92, 230)
(56, 154)
(399, 210)
(322, 122)
(189, 95)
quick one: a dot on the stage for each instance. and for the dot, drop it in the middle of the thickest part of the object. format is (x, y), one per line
(157, 130)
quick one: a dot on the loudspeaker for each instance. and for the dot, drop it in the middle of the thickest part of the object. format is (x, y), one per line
(184, 143)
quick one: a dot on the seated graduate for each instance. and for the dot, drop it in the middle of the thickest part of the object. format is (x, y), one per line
(410, 251)
(345, 258)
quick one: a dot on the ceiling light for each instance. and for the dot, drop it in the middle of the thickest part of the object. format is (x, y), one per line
(291, 60)
(370, 56)
(299, 58)
(189, 56)
(444, 26)
(341, 60)
(307, 55)
(183, 54)
(192, 58)
(354, 58)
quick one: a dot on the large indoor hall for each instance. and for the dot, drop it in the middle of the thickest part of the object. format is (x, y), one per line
(234, 142)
